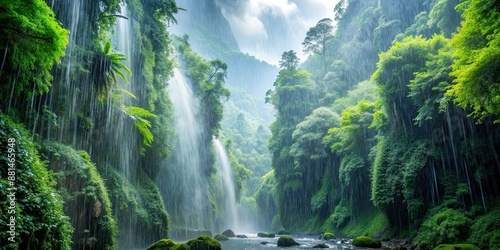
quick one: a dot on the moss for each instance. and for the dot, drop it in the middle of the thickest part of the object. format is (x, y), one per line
(328, 236)
(365, 241)
(287, 241)
(163, 244)
(138, 202)
(40, 222)
(221, 237)
(204, 242)
(266, 235)
(369, 223)
(83, 187)
(456, 247)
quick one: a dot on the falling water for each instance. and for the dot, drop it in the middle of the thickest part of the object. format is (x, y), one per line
(187, 192)
(123, 41)
(228, 185)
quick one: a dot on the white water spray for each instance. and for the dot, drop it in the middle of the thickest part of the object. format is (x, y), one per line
(226, 175)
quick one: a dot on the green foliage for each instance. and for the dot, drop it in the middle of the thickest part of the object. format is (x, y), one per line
(447, 226)
(80, 184)
(208, 79)
(287, 241)
(137, 204)
(289, 59)
(137, 114)
(106, 66)
(485, 231)
(456, 247)
(365, 241)
(477, 68)
(38, 208)
(31, 41)
(317, 38)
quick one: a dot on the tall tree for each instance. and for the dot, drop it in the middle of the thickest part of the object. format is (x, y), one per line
(289, 59)
(317, 38)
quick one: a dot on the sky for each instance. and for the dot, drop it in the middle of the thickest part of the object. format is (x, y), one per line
(267, 28)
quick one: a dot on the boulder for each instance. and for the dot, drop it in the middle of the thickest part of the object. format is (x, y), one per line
(242, 236)
(163, 244)
(287, 241)
(229, 233)
(327, 236)
(221, 237)
(321, 245)
(266, 235)
(204, 243)
(365, 241)
(456, 247)
(399, 247)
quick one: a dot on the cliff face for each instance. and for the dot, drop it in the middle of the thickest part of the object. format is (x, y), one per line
(203, 20)
(211, 36)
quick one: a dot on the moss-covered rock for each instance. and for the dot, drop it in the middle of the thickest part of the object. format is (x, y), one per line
(385, 238)
(85, 195)
(229, 233)
(266, 235)
(204, 243)
(365, 241)
(456, 247)
(139, 207)
(40, 222)
(221, 237)
(163, 244)
(327, 236)
(287, 241)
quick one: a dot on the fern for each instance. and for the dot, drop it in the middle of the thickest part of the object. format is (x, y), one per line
(138, 114)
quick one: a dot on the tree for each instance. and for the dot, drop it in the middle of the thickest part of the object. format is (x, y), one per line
(317, 38)
(31, 41)
(289, 59)
(477, 69)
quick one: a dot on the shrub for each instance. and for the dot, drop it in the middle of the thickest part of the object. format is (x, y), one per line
(39, 219)
(447, 226)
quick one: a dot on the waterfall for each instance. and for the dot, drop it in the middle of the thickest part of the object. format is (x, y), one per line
(184, 185)
(226, 176)
(123, 40)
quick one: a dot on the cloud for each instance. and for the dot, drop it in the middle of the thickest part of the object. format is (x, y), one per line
(266, 28)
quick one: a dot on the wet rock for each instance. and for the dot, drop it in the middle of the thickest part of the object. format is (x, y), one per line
(229, 233)
(327, 236)
(266, 235)
(204, 242)
(399, 247)
(242, 236)
(287, 241)
(365, 241)
(283, 232)
(265, 242)
(321, 245)
(221, 237)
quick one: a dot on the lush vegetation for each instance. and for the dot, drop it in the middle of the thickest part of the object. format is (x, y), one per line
(390, 128)
(404, 141)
